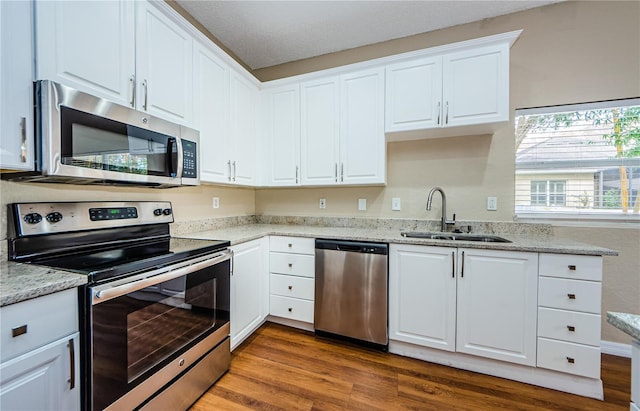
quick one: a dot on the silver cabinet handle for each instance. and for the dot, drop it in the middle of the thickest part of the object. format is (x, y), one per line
(146, 91)
(336, 172)
(439, 111)
(571, 328)
(342, 172)
(572, 267)
(229, 166)
(72, 364)
(23, 139)
(571, 296)
(462, 266)
(132, 85)
(234, 170)
(446, 119)
(571, 360)
(297, 174)
(453, 264)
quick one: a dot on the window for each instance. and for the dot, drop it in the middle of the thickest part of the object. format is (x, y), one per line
(579, 161)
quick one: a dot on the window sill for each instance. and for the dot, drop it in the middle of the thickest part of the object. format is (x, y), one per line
(629, 220)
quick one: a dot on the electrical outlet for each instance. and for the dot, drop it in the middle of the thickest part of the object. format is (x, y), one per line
(492, 203)
(323, 203)
(216, 202)
(362, 204)
(395, 204)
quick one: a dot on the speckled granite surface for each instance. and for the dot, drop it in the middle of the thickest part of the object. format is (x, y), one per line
(539, 242)
(629, 323)
(19, 282)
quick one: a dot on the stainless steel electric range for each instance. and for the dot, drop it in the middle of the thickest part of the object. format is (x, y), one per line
(154, 315)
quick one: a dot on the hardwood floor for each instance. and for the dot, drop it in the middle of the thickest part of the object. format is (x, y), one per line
(280, 368)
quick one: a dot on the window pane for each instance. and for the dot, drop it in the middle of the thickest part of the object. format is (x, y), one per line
(586, 160)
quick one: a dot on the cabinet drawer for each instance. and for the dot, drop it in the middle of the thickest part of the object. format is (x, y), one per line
(572, 326)
(577, 267)
(296, 245)
(569, 357)
(292, 286)
(292, 308)
(47, 318)
(566, 294)
(292, 264)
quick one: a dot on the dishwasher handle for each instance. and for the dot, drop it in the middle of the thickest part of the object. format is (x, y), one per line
(352, 246)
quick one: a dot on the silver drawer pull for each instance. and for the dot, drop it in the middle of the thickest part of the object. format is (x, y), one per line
(571, 360)
(15, 332)
(290, 309)
(291, 287)
(571, 296)
(572, 268)
(571, 328)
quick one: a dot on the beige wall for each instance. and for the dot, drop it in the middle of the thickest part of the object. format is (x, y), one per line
(569, 52)
(192, 203)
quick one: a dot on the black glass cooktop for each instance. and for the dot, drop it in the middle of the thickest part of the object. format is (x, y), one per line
(123, 260)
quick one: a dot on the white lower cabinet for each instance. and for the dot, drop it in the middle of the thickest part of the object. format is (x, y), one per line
(292, 279)
(479, 302)
(40, 368)
(248, 289)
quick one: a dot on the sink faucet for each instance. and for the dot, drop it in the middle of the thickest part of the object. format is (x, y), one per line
(445, 222)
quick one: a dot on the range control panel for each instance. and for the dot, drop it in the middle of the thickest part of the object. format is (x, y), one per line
(43, 218)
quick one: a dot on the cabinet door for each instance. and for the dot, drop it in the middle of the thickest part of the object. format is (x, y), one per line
(362, 140)
(211, 114)
(163, 66)
(320, 131)
(16, 86)
(282, 124)
(244, 112)
(476, 86)
(249, 289)
(89, 46)
(47, 378)
(422, 295)
(413, 95)
(497, 305)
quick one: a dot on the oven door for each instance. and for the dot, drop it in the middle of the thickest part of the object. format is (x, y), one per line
(142, 325)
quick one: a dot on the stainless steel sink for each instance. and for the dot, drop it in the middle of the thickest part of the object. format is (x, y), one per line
(454, 236)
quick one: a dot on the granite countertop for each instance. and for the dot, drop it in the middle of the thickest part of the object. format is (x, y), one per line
(19, 282)
(249, 232)
(629, 323)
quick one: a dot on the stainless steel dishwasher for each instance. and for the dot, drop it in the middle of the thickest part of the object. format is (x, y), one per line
(351, 291)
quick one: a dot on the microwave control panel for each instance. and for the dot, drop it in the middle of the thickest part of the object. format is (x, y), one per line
(189, 159)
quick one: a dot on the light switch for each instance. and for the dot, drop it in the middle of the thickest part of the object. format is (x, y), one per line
(216, 202)
(362, 204)
(323, 203)
(492, 203)
(395, 204)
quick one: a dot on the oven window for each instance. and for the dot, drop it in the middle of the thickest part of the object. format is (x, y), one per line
(136, 334)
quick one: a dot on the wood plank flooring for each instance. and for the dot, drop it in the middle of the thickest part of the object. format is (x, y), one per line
(280, 368)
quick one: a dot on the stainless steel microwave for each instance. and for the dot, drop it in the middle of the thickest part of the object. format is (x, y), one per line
(84, 139)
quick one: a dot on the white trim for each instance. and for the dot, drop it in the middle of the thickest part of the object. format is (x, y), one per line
(574, 384)
(614, 348)
(564, 108)
(291, 323)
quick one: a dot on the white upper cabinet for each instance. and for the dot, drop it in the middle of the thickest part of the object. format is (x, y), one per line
(464, 88)
(242, 137)
(16, 87)
(211, 114)
(163, 66)
(414, 94)
(127, 52)
(362, 141)
(342, 131)
(281, 120)
(89, 46)
(320, 131)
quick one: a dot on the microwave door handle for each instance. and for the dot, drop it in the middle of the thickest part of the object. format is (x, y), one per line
(172, 157)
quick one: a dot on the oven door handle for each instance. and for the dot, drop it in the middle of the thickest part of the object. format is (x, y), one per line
(108, 292)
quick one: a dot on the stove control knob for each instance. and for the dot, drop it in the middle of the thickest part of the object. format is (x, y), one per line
(54, 217)
(32, 218)
(166, 211)
(157, 212)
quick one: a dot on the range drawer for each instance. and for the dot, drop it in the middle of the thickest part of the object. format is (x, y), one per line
(292, 264)
(566, 294)
(37, 322)
(292, 286)
(296, 245)
(572, 326)
(568, 357)
(292, 308)
(577, 267)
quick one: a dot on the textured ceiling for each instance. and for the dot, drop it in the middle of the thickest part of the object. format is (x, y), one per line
(267, 33)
